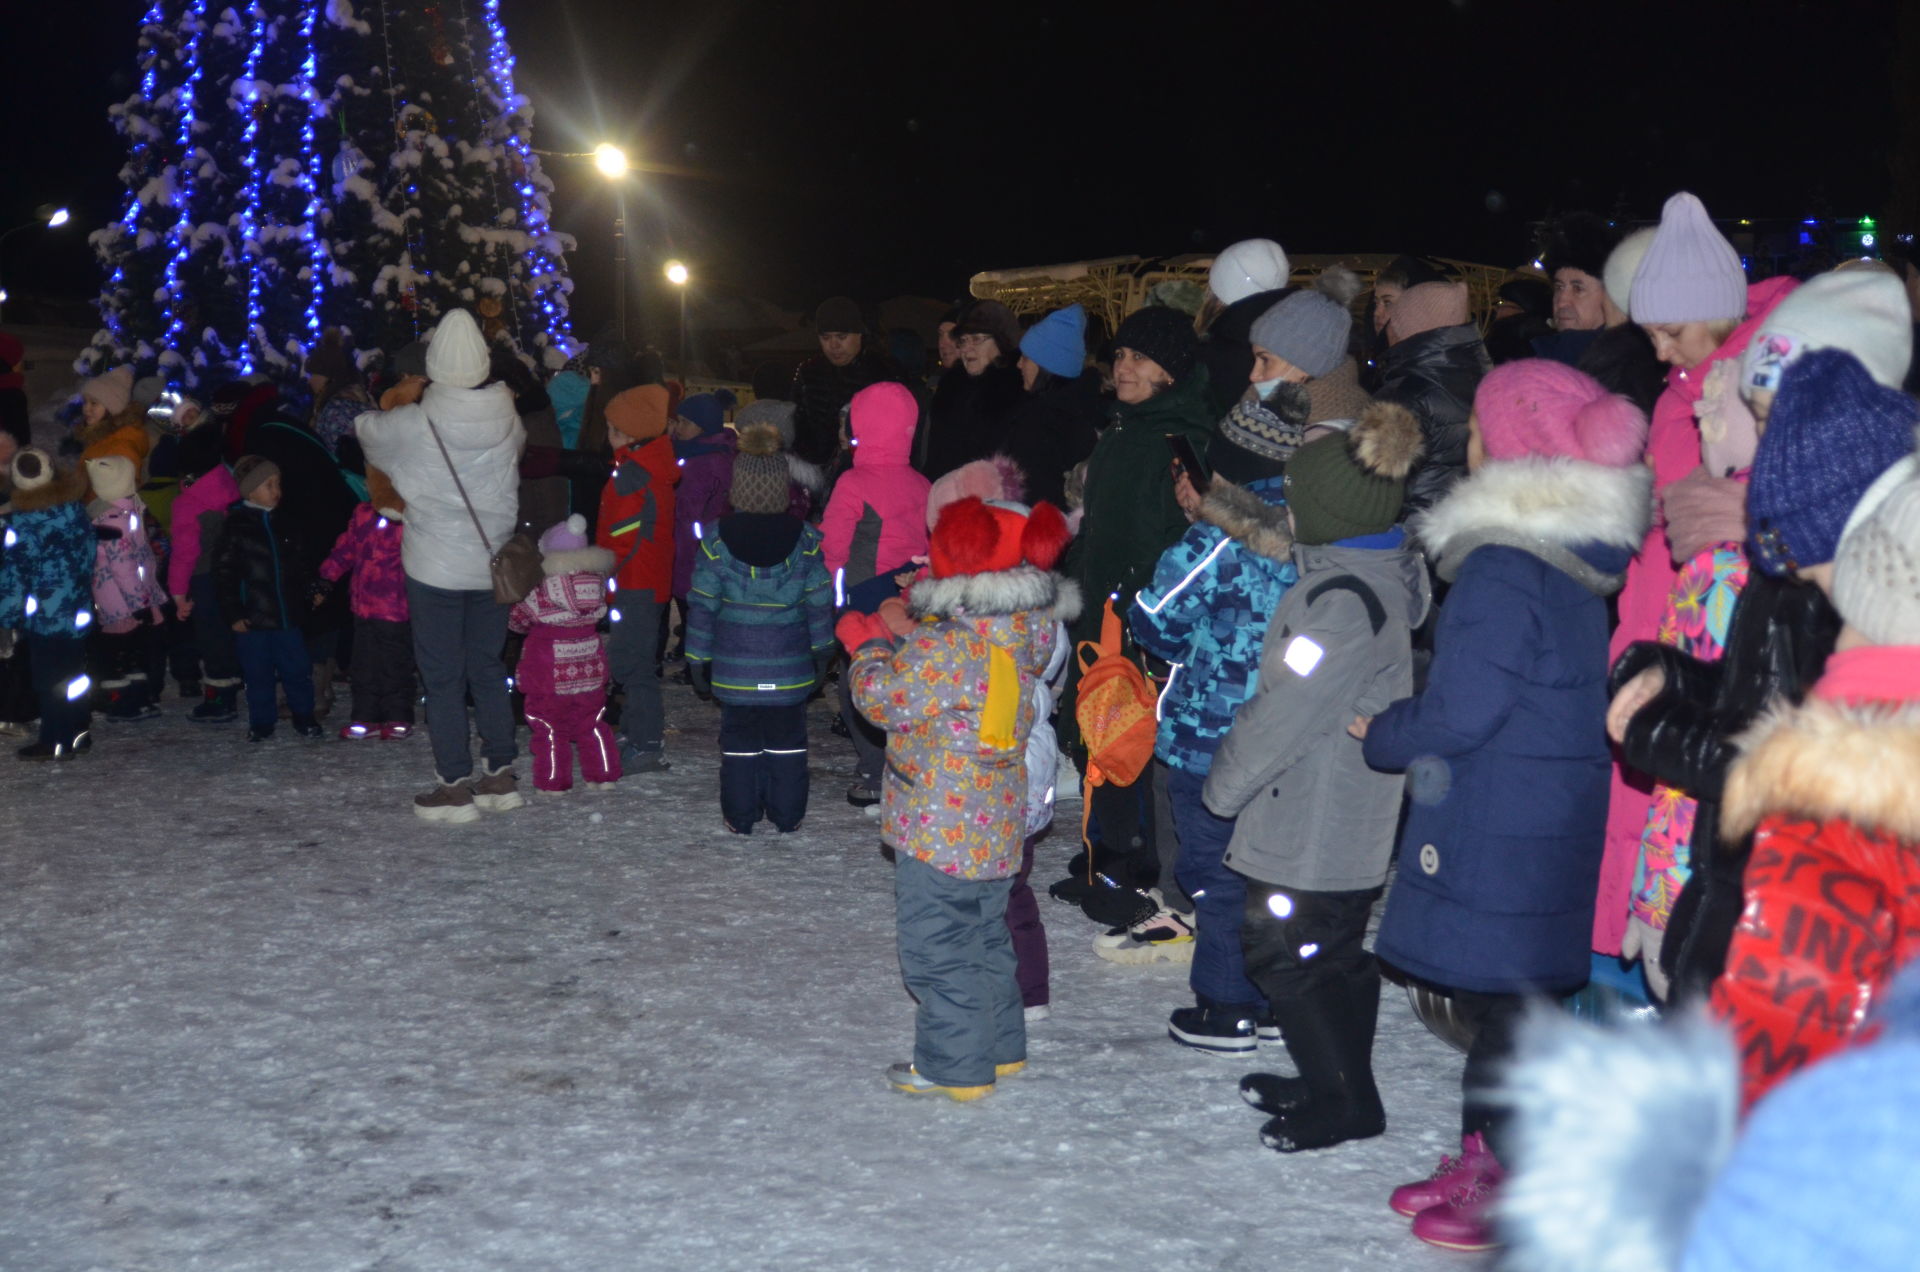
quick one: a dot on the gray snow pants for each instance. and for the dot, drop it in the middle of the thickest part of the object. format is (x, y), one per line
(633, 660)
(457, 640)
(957, 958)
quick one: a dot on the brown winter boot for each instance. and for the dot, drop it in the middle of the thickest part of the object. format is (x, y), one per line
(448, 802)
(497, 791)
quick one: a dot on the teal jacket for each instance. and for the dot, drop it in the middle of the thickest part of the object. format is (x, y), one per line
(760, 608)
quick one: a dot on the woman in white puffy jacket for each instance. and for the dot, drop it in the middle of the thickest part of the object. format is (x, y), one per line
(458, 627)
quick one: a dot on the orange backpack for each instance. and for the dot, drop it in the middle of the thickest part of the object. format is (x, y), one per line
(1115, 708)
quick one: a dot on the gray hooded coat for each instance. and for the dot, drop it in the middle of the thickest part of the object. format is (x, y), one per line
(1312, 814)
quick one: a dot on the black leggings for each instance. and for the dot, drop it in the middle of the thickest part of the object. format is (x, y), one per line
(1496, 1020)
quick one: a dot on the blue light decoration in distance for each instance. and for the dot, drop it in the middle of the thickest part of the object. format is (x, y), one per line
(183, 228)
(130, 220)
(319, 259)
(250, 202)
(544, 281)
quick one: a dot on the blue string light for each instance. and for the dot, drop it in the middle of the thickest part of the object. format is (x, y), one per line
(137, 160)
(319, 259)
(250, 201)
(545, 283)
(184, 227)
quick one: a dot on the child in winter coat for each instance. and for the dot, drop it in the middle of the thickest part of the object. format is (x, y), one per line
(198, 514)
(46, 595)
(1205, 612)
(1831, 791)
(563, 668)
(636, 524)
(759, 637)
(703, 450)
(1310, 825)
(259, 570)
(875, 526)
(384, 683)
(127, 589)
(1505, 750)
(955, 699)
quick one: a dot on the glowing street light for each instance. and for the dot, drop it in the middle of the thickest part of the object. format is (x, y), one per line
(613, 165)
(611, 160)
(47, 215)
(678, 275)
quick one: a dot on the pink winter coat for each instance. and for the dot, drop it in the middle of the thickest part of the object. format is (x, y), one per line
(212, 492)
(1673, 450)
(126, 576)
(369, 549)
(876, 519)
(563, 653)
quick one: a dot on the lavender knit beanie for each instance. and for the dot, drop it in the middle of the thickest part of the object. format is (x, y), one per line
(1691, 273)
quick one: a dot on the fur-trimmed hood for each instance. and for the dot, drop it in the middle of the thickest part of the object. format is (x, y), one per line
(588, 560)
(1242, 514)
(1558, 510)
(68, 486)
(1829, 761)
(1025, 587)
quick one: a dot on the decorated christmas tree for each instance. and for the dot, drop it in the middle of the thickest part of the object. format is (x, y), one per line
(299, 165)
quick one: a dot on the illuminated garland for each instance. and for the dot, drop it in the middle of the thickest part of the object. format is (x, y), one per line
(183, 229)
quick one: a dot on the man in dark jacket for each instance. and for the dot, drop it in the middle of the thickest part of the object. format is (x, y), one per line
(1576, 261)
(1433, 363)
(827, 381)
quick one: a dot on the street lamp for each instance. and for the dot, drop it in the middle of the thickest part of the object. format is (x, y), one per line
(45, 215)
(677, 275)
(612, 163)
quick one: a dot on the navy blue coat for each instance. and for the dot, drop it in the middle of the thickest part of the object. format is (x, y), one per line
(1506, 749)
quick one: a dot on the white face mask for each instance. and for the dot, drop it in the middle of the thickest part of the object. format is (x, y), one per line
(1264, 388)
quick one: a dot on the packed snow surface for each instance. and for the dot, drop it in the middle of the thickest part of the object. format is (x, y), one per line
(261, 1017)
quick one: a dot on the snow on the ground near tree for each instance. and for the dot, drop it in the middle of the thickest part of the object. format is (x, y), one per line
(258, 1016)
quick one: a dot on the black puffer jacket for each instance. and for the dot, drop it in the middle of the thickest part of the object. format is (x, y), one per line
(1052, 429)
(260, 570)
(967, 419)
(821, 391)
(1433, 374)
(1777, 644)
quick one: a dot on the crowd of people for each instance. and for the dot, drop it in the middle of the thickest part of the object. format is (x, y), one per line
(1585, 632)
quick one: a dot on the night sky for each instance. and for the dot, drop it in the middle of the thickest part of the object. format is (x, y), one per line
(884, 148)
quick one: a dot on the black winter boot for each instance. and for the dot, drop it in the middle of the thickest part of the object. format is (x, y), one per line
(219, 707)
(1329, 1034)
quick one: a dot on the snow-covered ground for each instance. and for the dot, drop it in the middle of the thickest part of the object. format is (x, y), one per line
(258, 1016)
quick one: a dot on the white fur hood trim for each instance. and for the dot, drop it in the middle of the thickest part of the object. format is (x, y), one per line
(1014, 591)
(1544, 506)
(587, 560)
(1831, 762)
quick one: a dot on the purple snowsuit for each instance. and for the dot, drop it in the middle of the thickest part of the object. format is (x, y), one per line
(706, 478)
(563, 669)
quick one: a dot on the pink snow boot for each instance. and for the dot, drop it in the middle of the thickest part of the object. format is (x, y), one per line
(1450, 1174)
(1464, 1221)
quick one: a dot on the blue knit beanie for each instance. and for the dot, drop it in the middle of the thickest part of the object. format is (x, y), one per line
(1058, 342)
(708, 410)
(1832, 431)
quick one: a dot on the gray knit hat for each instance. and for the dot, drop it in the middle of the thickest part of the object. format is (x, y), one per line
(249, 471)
(767, 411)
(760, 481)
(1308, 329)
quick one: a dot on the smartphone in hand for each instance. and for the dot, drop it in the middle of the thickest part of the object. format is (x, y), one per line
(1188, 462)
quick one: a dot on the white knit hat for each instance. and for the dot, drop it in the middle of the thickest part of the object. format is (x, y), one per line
(1691, 273)
(1248, 268)
(1876, 574)
(1864, 312)
(1623, 264)
(457, 354)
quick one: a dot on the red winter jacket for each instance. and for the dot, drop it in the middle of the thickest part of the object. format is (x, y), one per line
(1833, 886)
(636, 517)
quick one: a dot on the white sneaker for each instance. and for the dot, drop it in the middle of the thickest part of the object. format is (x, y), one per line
(1038, 1013)
(1165, 936)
